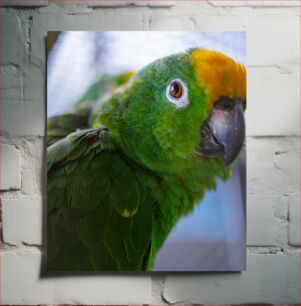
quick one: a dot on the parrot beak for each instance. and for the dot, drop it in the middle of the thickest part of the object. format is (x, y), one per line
(222, 134)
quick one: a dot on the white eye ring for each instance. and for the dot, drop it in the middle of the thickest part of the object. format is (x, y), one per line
(182, 100)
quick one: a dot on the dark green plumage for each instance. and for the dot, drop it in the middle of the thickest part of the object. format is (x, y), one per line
(87, 230)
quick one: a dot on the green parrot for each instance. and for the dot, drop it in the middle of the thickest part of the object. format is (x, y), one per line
(121, 172)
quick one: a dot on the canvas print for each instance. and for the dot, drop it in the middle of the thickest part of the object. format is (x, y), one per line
(146, 151)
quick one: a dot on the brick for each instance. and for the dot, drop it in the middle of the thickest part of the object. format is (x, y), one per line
(161, 3)
(11, 77)
(122, 22)
(22, 221)
(12, 95)
(24, 3)
(125, 3)
(173, 23)
(13, 45)
(113, 3)
(260, 226)
(10, 167)
(272, 92)
(34, 102)
(273, 165)
(206, 21)
(280, 208)
(280, 212)
(286, 160)
(22, 283)
(294, 220)
(33, 167)
(116, 3)
(23, 100)
(78, 7)
(250, 3)
(268, 279)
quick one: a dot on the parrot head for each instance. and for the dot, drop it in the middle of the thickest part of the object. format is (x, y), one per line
(179, 110)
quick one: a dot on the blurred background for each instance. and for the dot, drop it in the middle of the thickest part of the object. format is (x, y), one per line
(213, 236)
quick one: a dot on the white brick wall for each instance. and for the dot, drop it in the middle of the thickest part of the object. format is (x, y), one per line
(280, 104)
(23, 221)
(170, 23)
(10, 167)
(265, 276)
(13, 47)
(24, 284)
(31, 3)
(273, 160)
(294, 220)
(258, 233)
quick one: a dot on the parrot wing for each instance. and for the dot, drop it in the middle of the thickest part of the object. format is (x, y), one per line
(60, 126)
(103, 86)
(99, 214)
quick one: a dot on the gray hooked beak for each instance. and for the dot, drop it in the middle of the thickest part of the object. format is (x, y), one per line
(223, 133)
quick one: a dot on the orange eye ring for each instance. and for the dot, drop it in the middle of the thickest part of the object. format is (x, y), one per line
(176, 89)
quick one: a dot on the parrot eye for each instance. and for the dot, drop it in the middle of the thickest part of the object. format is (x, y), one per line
(176, 93)
(176, 89)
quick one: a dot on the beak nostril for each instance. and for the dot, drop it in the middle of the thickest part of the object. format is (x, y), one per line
(224, 103)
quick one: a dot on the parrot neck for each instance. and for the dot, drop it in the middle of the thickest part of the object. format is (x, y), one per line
(177, 194)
